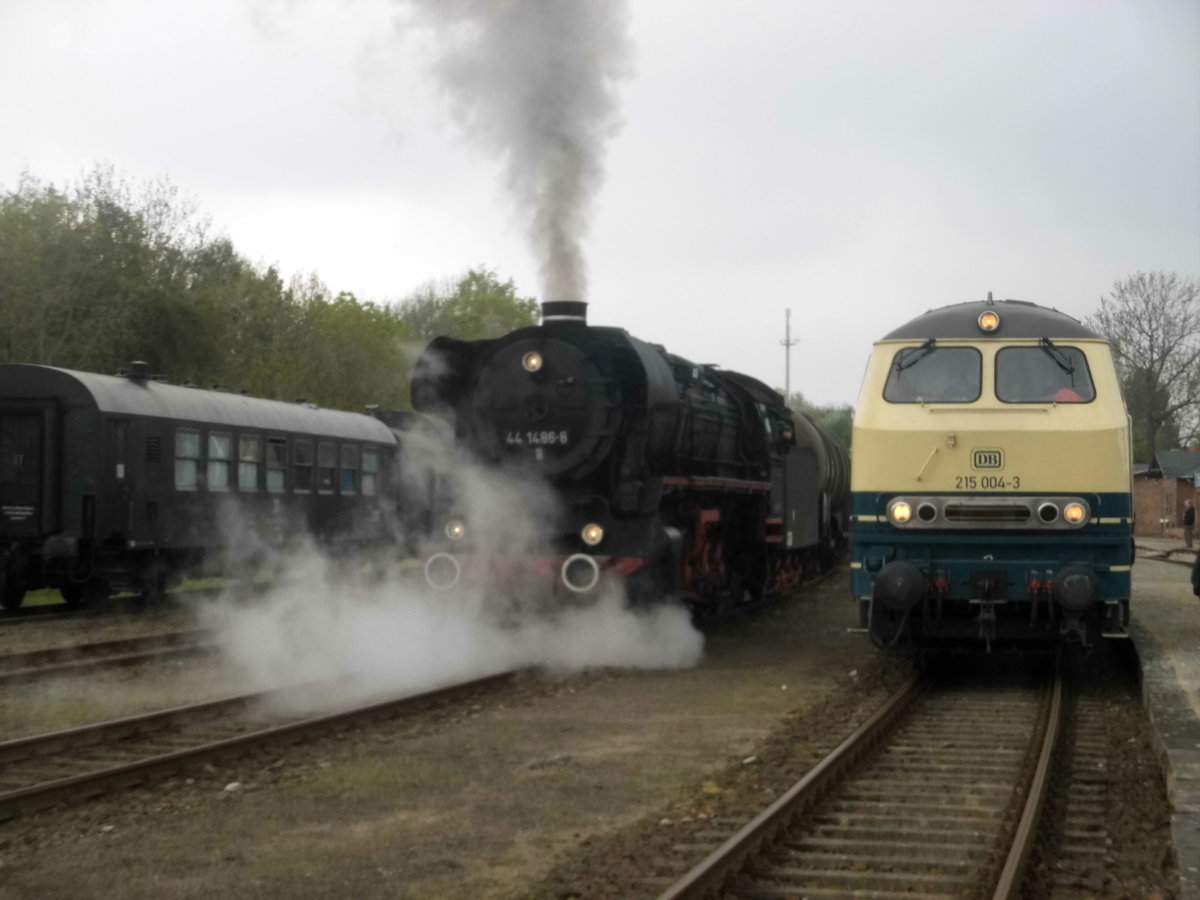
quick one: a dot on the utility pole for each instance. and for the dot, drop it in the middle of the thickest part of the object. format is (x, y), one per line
(787, 343)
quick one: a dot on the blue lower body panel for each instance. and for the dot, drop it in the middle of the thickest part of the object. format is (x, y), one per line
(930, 584)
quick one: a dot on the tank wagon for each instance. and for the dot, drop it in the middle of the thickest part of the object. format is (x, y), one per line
(117, 483)
(684, 479)
(991, 484)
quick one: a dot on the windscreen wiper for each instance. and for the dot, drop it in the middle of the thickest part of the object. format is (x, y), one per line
(1055, 353)
(910, 356)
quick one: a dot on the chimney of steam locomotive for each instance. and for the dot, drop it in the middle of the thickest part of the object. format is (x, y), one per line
(564, 312)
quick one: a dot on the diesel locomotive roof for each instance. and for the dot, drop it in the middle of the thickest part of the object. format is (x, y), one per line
(142, 397)
(1018, 319)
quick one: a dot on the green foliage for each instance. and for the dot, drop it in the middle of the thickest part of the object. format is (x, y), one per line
(1153, 321)
(100, 274)
(477, 305)
(837, 419)
(345, 352)
(1155, 426)
(91, 276)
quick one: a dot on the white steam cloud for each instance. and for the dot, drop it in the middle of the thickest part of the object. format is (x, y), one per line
(380, 633)
(535, 81)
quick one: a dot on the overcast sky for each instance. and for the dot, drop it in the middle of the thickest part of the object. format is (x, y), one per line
(856, 162)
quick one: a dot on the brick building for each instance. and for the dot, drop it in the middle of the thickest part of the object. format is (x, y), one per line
(1160, 489)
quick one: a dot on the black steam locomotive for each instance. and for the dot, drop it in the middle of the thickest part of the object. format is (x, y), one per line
(682, 478)
(120, 483)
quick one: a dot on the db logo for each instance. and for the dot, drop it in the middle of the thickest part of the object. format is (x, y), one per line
(987, 459)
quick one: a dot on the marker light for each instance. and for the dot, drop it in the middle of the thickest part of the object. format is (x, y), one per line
(989, 320)
(580, 573)
(1075, 513)
(592, 534)
(532, 361)
(455, 529)
(899, 512)
(442, 571)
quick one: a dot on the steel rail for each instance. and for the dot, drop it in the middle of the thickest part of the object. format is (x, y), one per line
(128, 605)
(1009, 883)
(1166, 554)
(38, 613)
(713, 870)
(38, 796)
(1003, 879)
(142, 724)
(73, 658)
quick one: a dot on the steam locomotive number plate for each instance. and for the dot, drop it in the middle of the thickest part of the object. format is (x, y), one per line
(537, 438)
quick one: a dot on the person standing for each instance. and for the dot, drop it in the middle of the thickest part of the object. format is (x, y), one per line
(1189, 523)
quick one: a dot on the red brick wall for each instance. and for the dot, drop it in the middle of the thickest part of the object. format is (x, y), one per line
(1159, 498)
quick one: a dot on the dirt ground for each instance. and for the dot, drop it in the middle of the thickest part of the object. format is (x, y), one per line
(483, 801)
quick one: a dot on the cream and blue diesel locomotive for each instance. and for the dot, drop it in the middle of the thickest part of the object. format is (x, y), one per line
(991, 482)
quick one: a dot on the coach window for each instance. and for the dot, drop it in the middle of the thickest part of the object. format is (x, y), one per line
(187, 459)
(220, 453)
(276, 465)
(933, 374)
(326, 466)
(1047, 373)
(302, 466)
(370, 471)
(348, 473)
(249, 459)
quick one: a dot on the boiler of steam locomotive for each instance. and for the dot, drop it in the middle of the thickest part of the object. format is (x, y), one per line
(570, 401)
(688, 476)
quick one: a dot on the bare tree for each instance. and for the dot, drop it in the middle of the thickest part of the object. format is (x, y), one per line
(1153, 320)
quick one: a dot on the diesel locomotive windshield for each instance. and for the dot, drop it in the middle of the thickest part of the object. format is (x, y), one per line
(1043, 374)
(932, 374)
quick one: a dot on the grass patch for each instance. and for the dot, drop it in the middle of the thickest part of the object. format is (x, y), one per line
(46, 597)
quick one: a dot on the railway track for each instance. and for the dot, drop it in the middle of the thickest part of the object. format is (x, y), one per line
(124, 604)
(104, 610)
(46, 769)
(37, 614)
(917, 803)
(1083, 831)
(74, 659)
(1180, 556)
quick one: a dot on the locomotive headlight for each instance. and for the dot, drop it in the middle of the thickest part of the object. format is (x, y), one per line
(532, 361)
(989, 320)
(899, 511)
(455, 529)
(592, 534)
(1075, 513)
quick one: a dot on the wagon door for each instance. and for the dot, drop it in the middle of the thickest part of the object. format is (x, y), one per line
(803, 516)
(26, 486)
(124, 475)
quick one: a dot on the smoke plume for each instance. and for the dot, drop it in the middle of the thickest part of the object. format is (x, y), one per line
(535, 81)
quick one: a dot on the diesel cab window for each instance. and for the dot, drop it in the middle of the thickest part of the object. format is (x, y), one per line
(1047, 373)
(932, 374)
